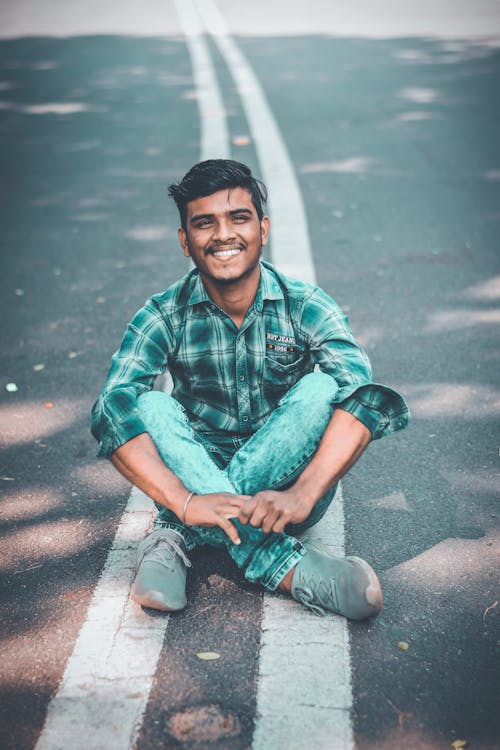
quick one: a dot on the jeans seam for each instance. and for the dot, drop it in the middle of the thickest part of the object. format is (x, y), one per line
(293, 473)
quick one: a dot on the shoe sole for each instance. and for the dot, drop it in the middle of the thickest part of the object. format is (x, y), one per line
(373, 592)
(151, 602)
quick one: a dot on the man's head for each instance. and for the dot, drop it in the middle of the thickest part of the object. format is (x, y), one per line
(223, 223)
(212, 175)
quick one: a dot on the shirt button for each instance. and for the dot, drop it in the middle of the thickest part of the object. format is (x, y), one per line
(245, 419)
(242, 377)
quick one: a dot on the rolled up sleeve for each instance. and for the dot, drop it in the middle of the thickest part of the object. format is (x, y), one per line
(381, 409)
(142, 356)
(337, 353)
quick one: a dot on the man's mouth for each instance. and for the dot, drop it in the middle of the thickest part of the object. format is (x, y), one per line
(228, 253)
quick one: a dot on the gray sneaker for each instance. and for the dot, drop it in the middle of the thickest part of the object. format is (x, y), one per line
(345, 585)
(160, 582)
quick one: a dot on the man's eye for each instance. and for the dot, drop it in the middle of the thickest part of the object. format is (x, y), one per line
(240, 217)
(202, 223)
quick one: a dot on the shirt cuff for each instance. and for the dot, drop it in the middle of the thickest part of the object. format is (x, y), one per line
(118, 434)
(381, 409)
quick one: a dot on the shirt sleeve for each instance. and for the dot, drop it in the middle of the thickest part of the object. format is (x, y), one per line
(336, 352)
(142, 356)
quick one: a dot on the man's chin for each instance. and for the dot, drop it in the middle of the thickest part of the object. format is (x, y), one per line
(229, 276)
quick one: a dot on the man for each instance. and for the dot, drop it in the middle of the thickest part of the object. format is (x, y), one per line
(272, 403)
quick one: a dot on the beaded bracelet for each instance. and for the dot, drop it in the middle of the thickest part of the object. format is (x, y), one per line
(188, 500)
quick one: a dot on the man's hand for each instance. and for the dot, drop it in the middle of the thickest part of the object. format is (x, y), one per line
(216, 510)
(272, 510)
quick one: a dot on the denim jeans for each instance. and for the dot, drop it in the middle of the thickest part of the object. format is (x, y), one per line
(271, 458)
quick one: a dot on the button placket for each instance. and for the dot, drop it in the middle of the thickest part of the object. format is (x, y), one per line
(242, 390)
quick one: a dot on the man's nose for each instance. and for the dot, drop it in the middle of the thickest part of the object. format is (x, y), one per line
(223, 230)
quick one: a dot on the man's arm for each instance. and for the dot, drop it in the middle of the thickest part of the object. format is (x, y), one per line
(139, 461)
(343, 442)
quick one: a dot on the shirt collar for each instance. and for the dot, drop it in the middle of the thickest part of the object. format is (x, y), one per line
(198, 293)
(268, 289)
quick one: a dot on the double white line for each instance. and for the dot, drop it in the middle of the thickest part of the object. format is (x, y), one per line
(304, 694)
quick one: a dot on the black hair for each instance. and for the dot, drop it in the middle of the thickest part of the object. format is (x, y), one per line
(209, 176)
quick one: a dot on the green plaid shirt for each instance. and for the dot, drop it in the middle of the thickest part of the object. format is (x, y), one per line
(231, 380)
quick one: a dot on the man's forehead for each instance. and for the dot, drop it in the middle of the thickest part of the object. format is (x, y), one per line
(221, 201)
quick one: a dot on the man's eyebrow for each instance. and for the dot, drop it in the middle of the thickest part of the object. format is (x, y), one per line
(232, 212)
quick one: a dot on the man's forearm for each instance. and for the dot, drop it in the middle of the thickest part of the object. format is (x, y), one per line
(139, 461)
(343, 442)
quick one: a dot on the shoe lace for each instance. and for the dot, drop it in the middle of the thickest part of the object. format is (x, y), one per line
(163, 549)
(313, 592)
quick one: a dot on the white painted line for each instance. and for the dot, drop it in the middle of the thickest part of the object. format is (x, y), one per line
(290, 245)
(106, 685)
(213, 124)
(304, 691)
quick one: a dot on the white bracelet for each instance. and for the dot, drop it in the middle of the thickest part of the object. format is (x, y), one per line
(188, 500)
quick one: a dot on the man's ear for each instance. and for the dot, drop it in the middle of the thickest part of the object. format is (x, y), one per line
(181, 234)
(265, 224)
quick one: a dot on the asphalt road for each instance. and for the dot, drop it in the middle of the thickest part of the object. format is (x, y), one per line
(395, 146)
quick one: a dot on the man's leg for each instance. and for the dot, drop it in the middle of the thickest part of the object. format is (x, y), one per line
(198, 465)
(277, 454)
(265, 558)
(272, 459)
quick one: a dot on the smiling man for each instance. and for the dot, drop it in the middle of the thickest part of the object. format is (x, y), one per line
(272, 403)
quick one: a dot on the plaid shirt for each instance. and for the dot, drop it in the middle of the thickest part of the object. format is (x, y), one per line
(231, 380)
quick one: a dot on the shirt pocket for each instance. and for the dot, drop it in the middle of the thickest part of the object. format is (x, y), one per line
(279, 376)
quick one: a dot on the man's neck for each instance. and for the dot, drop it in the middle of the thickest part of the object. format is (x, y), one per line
(235, 299)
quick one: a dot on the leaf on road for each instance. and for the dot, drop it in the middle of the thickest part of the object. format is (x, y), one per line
(241, 140)
(403, 645)
(459, 743)
(49, 405)
(208, 655)
(11, 388)
(39, 367)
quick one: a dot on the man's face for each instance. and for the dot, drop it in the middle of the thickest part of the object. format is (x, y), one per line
(224, 236)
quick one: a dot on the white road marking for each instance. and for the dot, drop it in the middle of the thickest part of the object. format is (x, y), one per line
(304, 691)
(290, 245)
(214, 135)
(103, 694)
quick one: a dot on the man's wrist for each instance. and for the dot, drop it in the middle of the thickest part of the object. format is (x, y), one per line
(306, 492)
(174, 499)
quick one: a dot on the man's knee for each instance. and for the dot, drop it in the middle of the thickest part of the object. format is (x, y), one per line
(154, 404)
(316, 389)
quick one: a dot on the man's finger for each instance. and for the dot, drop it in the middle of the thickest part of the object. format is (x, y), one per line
(258, 516)
(230, 529)
(279, 525)
(247, 510)
(270, 522)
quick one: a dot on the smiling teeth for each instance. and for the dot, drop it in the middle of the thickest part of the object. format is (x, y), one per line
(226, 253)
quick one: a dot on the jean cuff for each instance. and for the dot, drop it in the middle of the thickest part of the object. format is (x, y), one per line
(278, 574)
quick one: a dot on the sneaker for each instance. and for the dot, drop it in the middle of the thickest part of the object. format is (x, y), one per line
(160, 582)
(347, 586)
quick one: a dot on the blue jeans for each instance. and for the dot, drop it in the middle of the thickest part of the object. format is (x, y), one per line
(271, 458)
